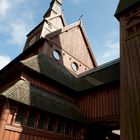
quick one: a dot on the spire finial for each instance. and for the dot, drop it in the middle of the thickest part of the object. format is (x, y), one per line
(80, 18)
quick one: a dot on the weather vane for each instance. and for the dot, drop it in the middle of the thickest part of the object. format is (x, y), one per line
(80, 18)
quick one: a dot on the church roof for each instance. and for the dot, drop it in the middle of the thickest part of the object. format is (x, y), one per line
(33, 96)
(50, 68)
(124, 5)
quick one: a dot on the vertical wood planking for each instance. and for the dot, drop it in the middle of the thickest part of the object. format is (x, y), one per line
(130, 73)
(100, 103)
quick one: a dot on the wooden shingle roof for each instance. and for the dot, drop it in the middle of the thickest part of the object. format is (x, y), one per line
(50, 68)
(23, 92)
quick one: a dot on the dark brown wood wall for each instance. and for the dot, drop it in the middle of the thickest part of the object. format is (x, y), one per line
(101, 104)
(130, 74)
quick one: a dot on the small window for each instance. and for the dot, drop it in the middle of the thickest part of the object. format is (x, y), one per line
(51, 125)
(74, 66)
(42, 121)
(68, 129)
(60, 127)
(20, 116)
(31, 119)
(56, 54)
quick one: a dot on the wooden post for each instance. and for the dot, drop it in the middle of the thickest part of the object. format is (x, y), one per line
(130, 74)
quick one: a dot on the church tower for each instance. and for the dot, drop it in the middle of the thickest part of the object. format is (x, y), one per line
(53, 20)
(67, 44)
(128, 13)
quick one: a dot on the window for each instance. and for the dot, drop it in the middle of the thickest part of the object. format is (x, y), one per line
(60, 127)
(20, 116)
(74, 66)
(42, 121)
(68, 129)
(31, 119)
(56, 54)
(51, 124)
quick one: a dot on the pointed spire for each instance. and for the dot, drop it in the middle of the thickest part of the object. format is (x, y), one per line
(55, 8)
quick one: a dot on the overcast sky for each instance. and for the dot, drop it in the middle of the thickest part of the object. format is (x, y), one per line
(19, 17)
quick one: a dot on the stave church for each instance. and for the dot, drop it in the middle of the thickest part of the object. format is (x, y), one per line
(54, 90)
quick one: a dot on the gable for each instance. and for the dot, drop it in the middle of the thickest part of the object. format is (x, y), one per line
(73, 41)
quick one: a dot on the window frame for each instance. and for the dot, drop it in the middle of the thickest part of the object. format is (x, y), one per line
(15, 115)
(54, 127)
(35, 120)
(46, 122)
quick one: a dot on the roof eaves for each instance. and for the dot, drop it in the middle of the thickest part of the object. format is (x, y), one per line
(20, 56)
(101, 67)
(124, 5)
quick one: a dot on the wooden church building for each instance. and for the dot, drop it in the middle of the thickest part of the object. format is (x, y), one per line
(54, 90)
